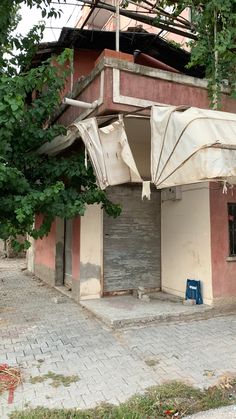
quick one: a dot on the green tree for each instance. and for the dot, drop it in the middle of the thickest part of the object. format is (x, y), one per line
(31, 183)
(214, 24)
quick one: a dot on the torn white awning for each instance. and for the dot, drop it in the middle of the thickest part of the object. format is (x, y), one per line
(186, 145)
(191, 145)
(109, 151)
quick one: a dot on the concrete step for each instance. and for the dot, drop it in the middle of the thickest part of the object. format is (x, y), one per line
(127, 311)
(164, 296)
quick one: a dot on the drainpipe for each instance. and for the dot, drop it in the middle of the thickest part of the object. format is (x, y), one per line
(80, 104)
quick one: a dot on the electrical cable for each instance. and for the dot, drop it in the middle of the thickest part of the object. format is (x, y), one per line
(69, 18)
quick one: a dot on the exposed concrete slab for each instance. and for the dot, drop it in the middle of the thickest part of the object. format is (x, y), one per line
(121, 311)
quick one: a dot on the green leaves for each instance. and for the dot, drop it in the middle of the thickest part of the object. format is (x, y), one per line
(214, 24)
(30, 183)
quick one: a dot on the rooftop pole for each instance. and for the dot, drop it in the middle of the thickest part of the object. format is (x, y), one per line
(118, 25)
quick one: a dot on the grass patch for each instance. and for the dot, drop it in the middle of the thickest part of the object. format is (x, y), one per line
(174, 398)
(56, 379)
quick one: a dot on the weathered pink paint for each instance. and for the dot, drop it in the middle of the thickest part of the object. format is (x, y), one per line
(84, 62)
(223, 271)
(89, 94)
(110, 53)
(45, 247)
(168, 92)
(76, 248)
(139, 86)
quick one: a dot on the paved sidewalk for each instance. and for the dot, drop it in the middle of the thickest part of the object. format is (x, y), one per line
(44, 331)
(228, 412)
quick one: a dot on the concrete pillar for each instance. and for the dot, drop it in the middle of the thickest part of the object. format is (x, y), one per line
(91, 252)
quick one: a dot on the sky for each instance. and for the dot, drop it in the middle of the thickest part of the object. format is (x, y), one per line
(32, 16)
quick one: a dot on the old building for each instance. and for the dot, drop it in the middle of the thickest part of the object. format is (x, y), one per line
(180, 233)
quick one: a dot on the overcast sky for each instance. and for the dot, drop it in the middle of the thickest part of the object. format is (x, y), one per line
(32, 16)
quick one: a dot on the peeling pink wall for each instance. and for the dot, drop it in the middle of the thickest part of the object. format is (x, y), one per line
(45, 247)
(223, 272)
(168, 91)
(140, 86)
(76, 248)
(89, 94)
(84, 61)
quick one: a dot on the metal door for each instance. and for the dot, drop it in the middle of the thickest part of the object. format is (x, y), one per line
(132, 242)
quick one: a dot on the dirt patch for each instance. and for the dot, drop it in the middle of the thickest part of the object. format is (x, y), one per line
(56, 379)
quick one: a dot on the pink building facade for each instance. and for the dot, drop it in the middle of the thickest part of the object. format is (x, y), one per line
(168, 240)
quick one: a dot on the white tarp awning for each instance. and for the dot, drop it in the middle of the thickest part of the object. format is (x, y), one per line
(188, 145)
(110, 154)
(109, 151)
(191, 145)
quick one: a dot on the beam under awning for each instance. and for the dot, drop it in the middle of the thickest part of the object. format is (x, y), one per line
(59, 143)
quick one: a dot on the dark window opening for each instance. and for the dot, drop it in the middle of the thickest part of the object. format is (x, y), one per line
(232, 229)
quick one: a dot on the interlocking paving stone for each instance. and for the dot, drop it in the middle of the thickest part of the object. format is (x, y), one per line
(41, 336)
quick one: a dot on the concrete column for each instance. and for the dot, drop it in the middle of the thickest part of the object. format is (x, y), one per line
(186, 241)
(76, 259)
(30, 255)
(91, 253)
